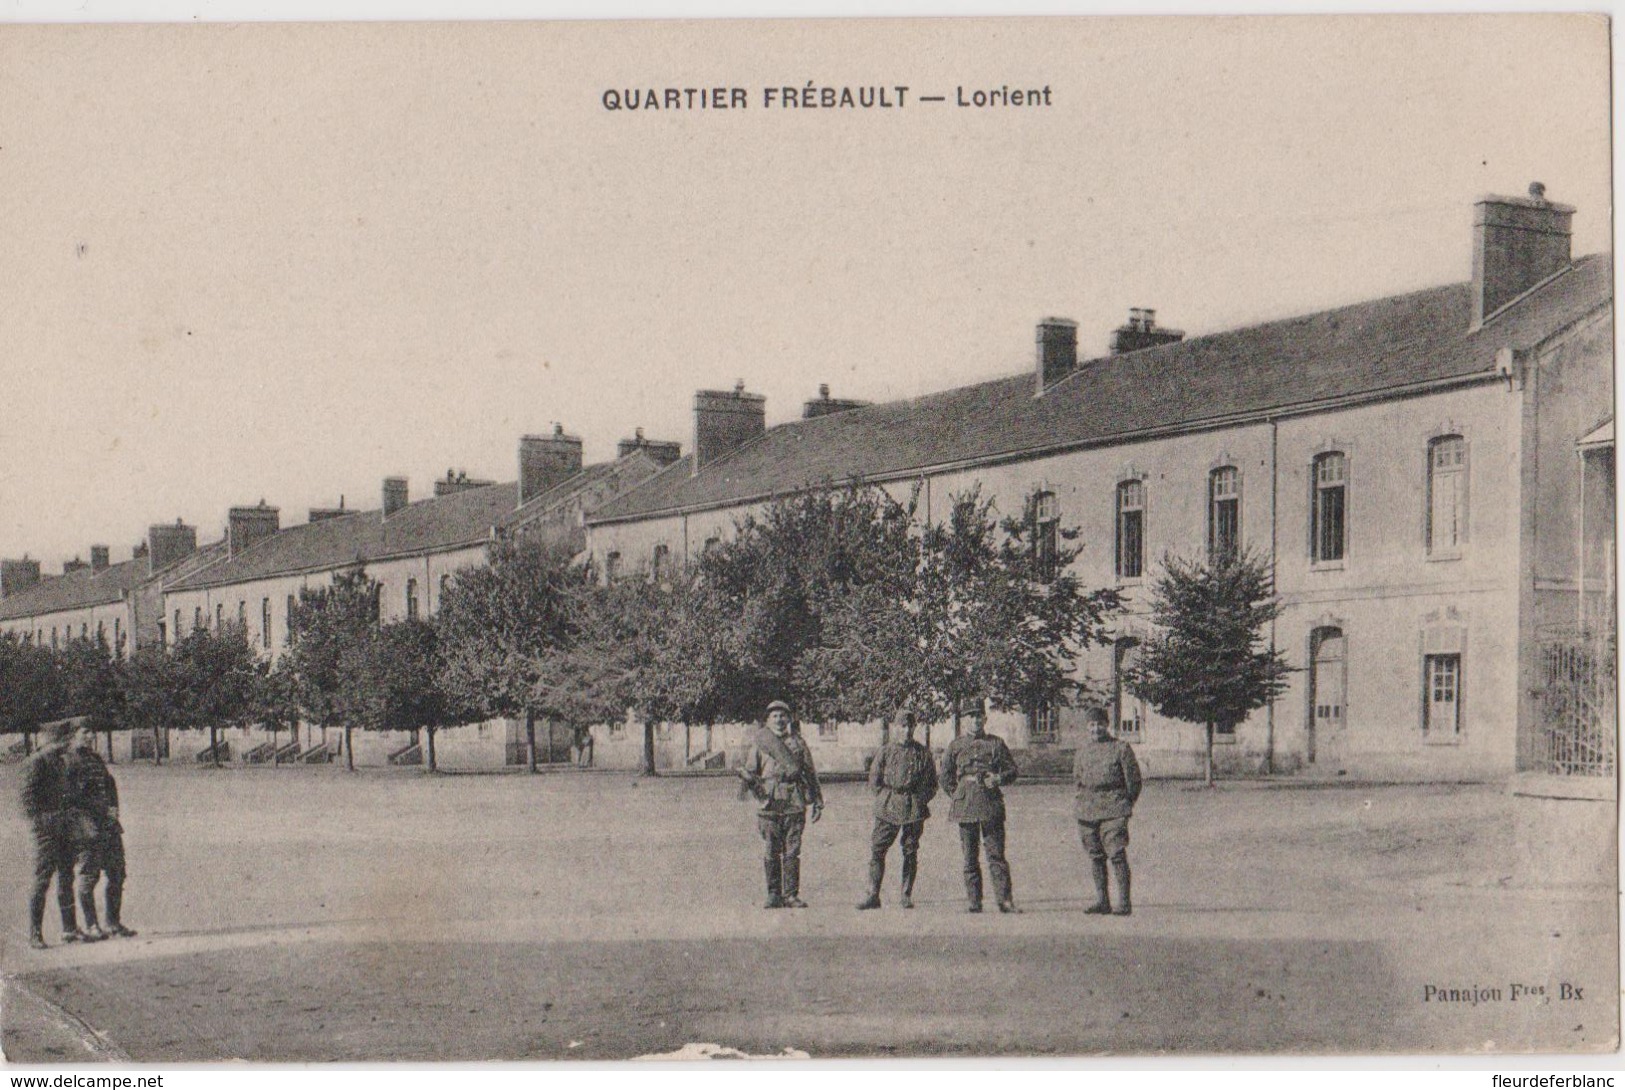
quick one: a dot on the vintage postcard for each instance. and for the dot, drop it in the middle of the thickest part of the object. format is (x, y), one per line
(976, 537)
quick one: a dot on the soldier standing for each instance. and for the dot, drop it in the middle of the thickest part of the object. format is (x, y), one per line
(95, 796)
(904, 781)
(778, 771)
(975, 767)
(1108, 782)
(45, 802)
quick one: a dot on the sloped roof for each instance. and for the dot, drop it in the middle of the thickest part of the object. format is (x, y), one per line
(459, 520)
(75, 590)
(1600, 436)
(1375, 349)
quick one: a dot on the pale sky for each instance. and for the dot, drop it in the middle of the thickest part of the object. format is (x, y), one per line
(288, 261)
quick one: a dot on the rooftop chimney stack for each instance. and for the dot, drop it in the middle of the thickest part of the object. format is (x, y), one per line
(247, 525)
(664, 452)
(724, 421)
(458, 481)
(1517, 243)
(17, 576)
(167, 544)
(546, 461)
(395, 495)
(99, 557)
(1141, 331)
(71, 566)
(825, 405)
(1057, 350)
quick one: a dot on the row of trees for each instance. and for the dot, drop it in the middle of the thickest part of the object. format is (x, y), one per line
(841, 601)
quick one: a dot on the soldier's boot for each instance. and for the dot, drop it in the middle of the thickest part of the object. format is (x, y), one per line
(973, 891)
(792, 884)
(775, 888)
(115, 918)
(36, 939)
(87, 908)
(911, 866)
(1103, 904)
(70, 922)
(877, 874)
(1125, 904)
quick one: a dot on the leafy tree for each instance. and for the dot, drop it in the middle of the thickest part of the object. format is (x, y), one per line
(502, 629)
(152, 693)
(277, 699)
(1003, 616)
(330, 636)
(405, 683)
(219, 679)
(32, 688)
(93, 678)
(1209, 662)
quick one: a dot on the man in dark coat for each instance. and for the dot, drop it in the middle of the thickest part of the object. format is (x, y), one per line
(46, 803)
(975, 767)
(904, 781)
(1108, 781)
(94, 795)
(778, 771)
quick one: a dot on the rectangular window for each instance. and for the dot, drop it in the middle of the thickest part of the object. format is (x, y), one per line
(1223, 513)
(118, 632)
(219, 616)
(265, 622)
(1328, 530)
(1447, 494)
(287, 618)
(163, 635)
(829, 732)
(1128, 712)
(612, 567)
(1130, 530)
(177, 628)
(1046, 536)
(242, 615)
(411, 599)
(1441, 697)
(1327, 678)
(1043, 725)
(197, 618)
(657, 567)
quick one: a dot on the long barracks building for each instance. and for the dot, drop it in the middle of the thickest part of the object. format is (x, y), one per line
(1410, 466)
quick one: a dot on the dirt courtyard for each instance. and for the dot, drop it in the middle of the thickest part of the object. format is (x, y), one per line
(311, 914)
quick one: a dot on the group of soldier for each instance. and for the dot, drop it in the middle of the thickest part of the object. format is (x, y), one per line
(778, 772)
(71, 801)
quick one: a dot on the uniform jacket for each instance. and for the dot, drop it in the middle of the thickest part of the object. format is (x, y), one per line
(90, 785)
(1108, 779)
(783, 786)
(963, 767)
(45, 783)
(904, 780)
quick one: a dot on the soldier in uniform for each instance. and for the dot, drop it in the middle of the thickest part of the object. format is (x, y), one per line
(95, 797)
(46, 804)
(904, 780)
(778, 771)
(975, 767)
(1108, 782)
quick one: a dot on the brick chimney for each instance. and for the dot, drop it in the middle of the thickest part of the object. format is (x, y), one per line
(395, 495)
(167, 544)
(724, 421)
(247, 525)
(458, 481)
(71, 566)
(546, 461)
(17, 576)
(1057, 350)
(662, 451)
(1142, 331)
(1517, 243)
(826, 405)
(99, 557)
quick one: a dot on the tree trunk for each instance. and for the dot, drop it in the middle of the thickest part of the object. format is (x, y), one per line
(157, 745)
(430, 732)
(648, 762)
(530, 741)
(214, 744)
(110, 746)
(28, 741)
(1208, 764)
(349, 747)
(956, 719)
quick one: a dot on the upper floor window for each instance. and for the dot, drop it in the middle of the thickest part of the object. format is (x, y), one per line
(197, 618)
(1046, 536)
(445, 584)
(411, 599)
(1447, 494)
(288, 618)
(163, 634)
(242, 615)
(219, 616)
(1130, 529)
(1223, 513)
(657, 567)
(101, 631)
(1328, 530)
(265, 622)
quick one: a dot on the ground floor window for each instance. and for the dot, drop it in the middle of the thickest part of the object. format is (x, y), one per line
(1043, 725)
(1441, 697)
(1128, 711)
(829, 732)
(1327, 677)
